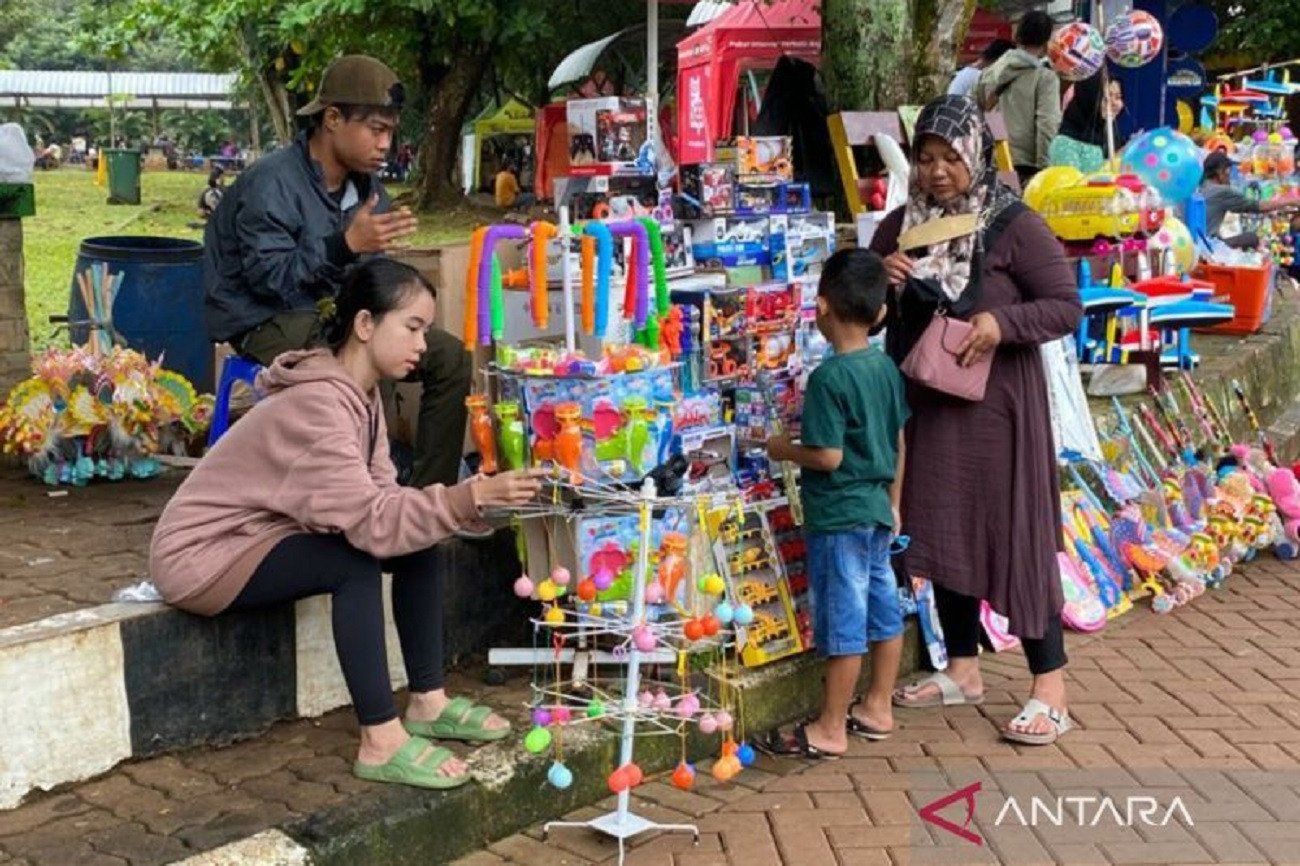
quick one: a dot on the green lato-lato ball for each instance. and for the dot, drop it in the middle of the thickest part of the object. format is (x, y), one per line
(538, 740)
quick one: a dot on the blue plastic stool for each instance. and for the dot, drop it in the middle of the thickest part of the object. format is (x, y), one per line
(233, 369)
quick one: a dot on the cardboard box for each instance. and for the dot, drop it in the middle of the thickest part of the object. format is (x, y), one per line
(609, 132)
(765, 158)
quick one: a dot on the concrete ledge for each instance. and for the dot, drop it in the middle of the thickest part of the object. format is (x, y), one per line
(135, 680)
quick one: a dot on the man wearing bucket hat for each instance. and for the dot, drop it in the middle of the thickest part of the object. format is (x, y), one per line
(286, 232)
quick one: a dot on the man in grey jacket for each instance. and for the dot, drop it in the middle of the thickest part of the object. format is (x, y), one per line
(277, 247)
(1025, 89)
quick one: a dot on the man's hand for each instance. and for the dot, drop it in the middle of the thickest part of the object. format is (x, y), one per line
(370, 232)
(779, 446)
(982, 339)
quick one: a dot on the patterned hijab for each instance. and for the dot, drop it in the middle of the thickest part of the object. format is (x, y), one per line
(951, 264)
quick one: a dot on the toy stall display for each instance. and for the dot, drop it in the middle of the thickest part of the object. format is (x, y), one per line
(1173, 506)
(100, 412)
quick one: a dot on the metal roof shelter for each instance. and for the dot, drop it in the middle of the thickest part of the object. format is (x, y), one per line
(46, 89)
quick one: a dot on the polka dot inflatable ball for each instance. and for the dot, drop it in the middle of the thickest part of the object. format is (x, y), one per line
(1165, 160)
(1174, 235)
(1077, 51)
(1134, 39)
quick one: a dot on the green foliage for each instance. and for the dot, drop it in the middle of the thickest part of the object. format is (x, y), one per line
(70, 34)
(1267, 30)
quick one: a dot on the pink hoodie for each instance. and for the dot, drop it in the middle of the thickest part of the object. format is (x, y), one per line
(296, 463)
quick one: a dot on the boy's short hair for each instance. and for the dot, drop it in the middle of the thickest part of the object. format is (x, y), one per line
(1034, 29)
(854, 284)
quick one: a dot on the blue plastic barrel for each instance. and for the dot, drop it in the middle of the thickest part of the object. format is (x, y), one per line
(159, 305)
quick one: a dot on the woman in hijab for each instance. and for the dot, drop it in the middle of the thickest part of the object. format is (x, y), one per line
(980, 496)
(1082, 136)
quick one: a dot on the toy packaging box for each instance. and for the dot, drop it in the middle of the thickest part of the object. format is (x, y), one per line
(609, 544)
(800, 244)
(748, 558)
(717, 188)
(712, 453)
(609, 132)
(610, 429)
(732, 241)
(765, 158)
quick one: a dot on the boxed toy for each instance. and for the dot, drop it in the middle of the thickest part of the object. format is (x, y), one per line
(717, 188)
(800, 244)
(711, 452)
(611, 429)
(610, 132)
(765, 158)
(732, 241)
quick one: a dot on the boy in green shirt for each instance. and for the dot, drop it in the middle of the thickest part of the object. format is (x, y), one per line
(852, 459)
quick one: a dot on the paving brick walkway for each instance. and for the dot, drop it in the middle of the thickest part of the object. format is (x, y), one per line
(1199, 711)
(71, 550)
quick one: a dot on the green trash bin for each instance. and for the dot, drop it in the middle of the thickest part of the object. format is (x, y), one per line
(123, 176)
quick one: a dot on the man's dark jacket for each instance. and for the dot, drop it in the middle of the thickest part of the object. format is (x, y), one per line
(275, 243)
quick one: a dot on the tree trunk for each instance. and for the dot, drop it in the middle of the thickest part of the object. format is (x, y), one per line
(866, 53)
(940, 28)
(450, 86)
(276, 98)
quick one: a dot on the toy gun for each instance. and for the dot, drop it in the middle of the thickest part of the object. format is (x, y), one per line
(1253, 420)
(788, 480)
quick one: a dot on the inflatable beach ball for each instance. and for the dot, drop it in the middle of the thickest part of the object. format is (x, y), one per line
(1165, 160)
(1134, 39)
(1077, 51)
(1175, 236)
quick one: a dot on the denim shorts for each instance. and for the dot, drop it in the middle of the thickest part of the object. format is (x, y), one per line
(854, 596)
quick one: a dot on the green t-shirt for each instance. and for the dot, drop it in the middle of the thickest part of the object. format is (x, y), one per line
(855, 402)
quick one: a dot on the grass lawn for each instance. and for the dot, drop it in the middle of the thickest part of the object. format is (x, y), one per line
(69, 208)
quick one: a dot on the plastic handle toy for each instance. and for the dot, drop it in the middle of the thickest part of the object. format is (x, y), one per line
(656, 240)
(641, 258)
(542, 232)
(480, 427)
(491, 236)
(604, 240)
(471, 280)
(511, 433)
(498, 301)
(588, 247)
(631, 294)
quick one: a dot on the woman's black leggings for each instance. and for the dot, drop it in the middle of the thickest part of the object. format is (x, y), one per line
(960, 617)
(306, 565)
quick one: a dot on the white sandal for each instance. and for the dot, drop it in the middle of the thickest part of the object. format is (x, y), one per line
(1060, 720)
(950, 694)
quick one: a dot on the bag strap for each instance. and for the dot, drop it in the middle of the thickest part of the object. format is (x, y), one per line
(938, 230)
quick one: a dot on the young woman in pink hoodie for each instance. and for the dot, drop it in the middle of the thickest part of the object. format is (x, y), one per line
(301, 498)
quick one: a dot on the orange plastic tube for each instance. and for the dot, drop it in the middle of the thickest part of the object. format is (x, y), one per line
(588, 247)
(471, 287)
(542, 233)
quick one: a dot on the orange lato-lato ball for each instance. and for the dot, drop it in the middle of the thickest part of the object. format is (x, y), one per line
(587, 589)
(694, 629)
(710, 624)
(634, 774)
(684, 776)
(618, 780)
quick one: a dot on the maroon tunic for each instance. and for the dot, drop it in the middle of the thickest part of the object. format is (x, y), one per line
(980, 495)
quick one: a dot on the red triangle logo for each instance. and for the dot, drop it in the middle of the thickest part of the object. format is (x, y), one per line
(930, 812)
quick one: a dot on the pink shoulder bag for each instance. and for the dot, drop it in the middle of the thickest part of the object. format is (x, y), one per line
(933, 361)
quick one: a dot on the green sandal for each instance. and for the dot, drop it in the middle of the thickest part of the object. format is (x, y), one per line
(415, 763)
(459, 720)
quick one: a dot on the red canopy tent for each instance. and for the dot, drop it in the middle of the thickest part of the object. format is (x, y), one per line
(753, 34)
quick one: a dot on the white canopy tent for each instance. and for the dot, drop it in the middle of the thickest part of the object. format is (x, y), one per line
(187, 90)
